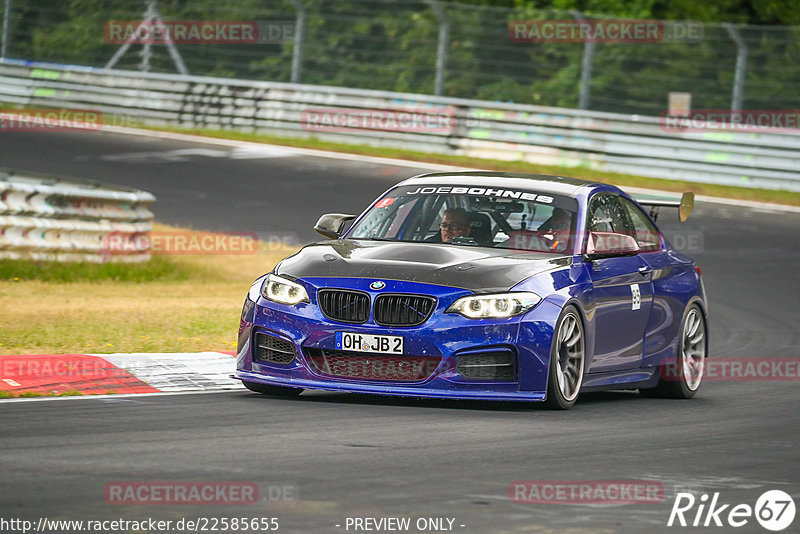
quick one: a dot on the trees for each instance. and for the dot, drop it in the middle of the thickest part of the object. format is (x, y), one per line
(386, 45)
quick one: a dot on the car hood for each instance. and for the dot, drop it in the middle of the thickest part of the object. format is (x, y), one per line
(475, 268)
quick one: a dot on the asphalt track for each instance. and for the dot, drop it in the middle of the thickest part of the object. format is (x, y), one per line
(358, 456)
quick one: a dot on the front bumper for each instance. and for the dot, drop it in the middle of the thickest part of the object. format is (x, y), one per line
(443, 339)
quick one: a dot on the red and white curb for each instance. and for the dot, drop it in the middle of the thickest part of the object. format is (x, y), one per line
(122, 373)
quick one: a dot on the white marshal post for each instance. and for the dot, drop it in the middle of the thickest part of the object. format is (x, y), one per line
(151, 15)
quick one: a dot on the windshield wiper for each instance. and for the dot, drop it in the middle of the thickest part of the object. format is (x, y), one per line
(374, 238)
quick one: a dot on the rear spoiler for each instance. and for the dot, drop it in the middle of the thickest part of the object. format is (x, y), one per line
(685, 204)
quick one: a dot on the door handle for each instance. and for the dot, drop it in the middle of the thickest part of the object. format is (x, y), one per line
(644, 271)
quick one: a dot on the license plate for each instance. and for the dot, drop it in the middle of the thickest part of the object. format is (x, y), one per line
(369, 343)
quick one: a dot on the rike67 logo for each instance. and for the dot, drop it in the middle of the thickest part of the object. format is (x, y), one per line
(774, 510)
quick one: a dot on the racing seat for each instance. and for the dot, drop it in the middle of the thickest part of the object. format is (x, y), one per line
(481, 227)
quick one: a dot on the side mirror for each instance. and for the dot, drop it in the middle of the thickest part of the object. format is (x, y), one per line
(331, 224)
(610, 244)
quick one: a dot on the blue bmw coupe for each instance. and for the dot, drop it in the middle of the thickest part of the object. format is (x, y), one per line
(481, 285)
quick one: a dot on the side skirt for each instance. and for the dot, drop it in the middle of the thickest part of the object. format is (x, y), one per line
(628, 379)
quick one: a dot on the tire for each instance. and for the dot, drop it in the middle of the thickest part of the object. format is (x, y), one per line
(567, 360)
(278, 391)
(681, 379)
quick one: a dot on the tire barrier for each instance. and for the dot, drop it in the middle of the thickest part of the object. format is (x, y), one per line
(56, 219)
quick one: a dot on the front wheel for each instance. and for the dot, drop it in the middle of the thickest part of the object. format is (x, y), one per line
(681, 379)
(279, 391)
(567, 358)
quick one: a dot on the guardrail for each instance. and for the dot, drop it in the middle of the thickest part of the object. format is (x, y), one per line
(606, 142)
(56, 219)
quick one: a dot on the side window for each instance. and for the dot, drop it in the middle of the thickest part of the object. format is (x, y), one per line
(399, 217)
(647, 235)
(383, 221)
(606, 214)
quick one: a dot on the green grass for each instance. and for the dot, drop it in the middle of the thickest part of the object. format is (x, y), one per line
(157, 269)
(623, 180)
(178, 303)
(28, 394)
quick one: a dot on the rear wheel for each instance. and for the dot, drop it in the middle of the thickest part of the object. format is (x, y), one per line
(567, 358)
(272, 390)
(681, 379)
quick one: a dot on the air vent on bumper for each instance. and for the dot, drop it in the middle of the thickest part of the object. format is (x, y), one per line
(270, 349)
(490, 365)
(369, 366)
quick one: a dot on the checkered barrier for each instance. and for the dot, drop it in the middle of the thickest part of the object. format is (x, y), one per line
(49, 218)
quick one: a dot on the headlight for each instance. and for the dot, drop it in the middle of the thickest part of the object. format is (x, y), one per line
(285, 291)
(494, 306)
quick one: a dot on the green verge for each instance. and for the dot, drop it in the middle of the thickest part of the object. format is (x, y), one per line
(25, 394)
(622, 180)
(158, 268)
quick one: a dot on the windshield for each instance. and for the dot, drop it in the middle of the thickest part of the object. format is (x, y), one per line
(472, 216)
